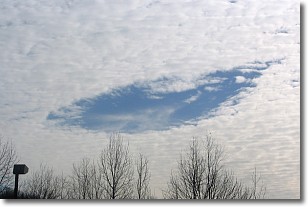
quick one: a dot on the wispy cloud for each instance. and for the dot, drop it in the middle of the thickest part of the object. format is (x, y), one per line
(211, 88)
(193, 98)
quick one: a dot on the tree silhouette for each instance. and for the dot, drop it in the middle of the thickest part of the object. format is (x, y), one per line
(143, 178)
(8, 157)
(86, 181)
(44, 184)
(200, 175)
(116, 168)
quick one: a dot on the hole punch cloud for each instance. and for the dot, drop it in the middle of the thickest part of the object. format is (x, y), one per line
(159, 104)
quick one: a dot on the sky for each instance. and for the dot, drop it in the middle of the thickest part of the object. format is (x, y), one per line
(159, 72)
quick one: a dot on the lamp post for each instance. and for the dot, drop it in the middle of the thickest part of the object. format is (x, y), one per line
(19, 169)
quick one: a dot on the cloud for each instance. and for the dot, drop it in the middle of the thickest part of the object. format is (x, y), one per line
(127, 108)
(211, 88)
(55, 53)
(193, 98)
(240, 79)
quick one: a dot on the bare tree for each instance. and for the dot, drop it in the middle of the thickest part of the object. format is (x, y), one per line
(8, 157)
(200, 175)
(231, 188)
(258, 189)
(44, 184)
(187, 183)
(86, 182)
(213, 154)
(117, 169)
(62, 185)
(228, 187)
(143, 178)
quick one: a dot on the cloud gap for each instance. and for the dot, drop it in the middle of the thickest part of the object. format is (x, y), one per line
(159, 104)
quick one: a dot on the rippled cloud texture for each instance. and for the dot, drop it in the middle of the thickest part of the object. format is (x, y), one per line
(57, 57)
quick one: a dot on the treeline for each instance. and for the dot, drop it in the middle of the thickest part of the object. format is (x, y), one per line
(200, 174)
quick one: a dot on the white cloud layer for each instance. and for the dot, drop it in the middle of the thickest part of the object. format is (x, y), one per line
(56, 52)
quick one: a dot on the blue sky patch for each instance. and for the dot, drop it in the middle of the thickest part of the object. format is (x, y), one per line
(148, 106)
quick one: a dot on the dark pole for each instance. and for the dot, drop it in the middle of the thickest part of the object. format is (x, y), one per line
(16, 186)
